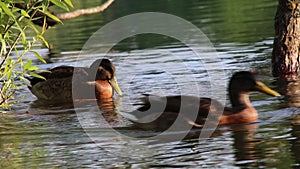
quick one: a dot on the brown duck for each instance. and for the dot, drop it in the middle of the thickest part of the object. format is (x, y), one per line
(97, 81)
(159, 113)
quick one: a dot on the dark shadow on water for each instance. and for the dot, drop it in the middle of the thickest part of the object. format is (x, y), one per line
(244, 145)
(243, 142)
(290, 87)
(107, 107)
(295, 142)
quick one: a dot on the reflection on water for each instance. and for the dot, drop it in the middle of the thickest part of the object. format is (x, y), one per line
(290, 86)
(37, 135)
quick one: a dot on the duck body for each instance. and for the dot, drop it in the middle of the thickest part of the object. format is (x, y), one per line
(206, 109)
(247, 115)
(65, 83)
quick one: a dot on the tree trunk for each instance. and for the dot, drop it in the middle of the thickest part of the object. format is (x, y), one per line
(285, 56)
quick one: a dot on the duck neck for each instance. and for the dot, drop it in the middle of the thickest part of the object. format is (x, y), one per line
(240, 100)
(103, 89)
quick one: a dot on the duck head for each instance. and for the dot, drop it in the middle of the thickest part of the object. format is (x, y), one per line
(104, 69)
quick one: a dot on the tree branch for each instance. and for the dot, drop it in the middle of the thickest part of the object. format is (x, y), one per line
(79, 12)
(39, 16)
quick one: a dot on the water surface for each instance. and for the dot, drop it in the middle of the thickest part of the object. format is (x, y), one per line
(50, 136)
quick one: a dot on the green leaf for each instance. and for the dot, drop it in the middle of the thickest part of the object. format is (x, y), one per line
(32, 26)
(33, 68)
(3, 46)
(39, 56)
(9, 73)
(24, 41)
(36, 75)
(52, 16)
(13, 10)
(13, 85)
(60, 4)
(69, 2)
(24, 13)
(6, 9)
(28, 65)
(44, 40)
(8, 65)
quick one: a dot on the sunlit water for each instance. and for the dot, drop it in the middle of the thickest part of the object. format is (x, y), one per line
(50, 136)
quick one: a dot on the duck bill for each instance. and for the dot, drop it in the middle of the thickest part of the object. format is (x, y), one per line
(265, 89)
(114, 84)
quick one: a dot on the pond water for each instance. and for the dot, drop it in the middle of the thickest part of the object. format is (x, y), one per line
(60, 136)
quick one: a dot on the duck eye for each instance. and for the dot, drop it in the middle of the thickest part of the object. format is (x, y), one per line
(109, 69)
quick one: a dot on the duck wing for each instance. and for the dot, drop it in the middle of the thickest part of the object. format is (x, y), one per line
(163, 111)
(57, 85)
(55, 73)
